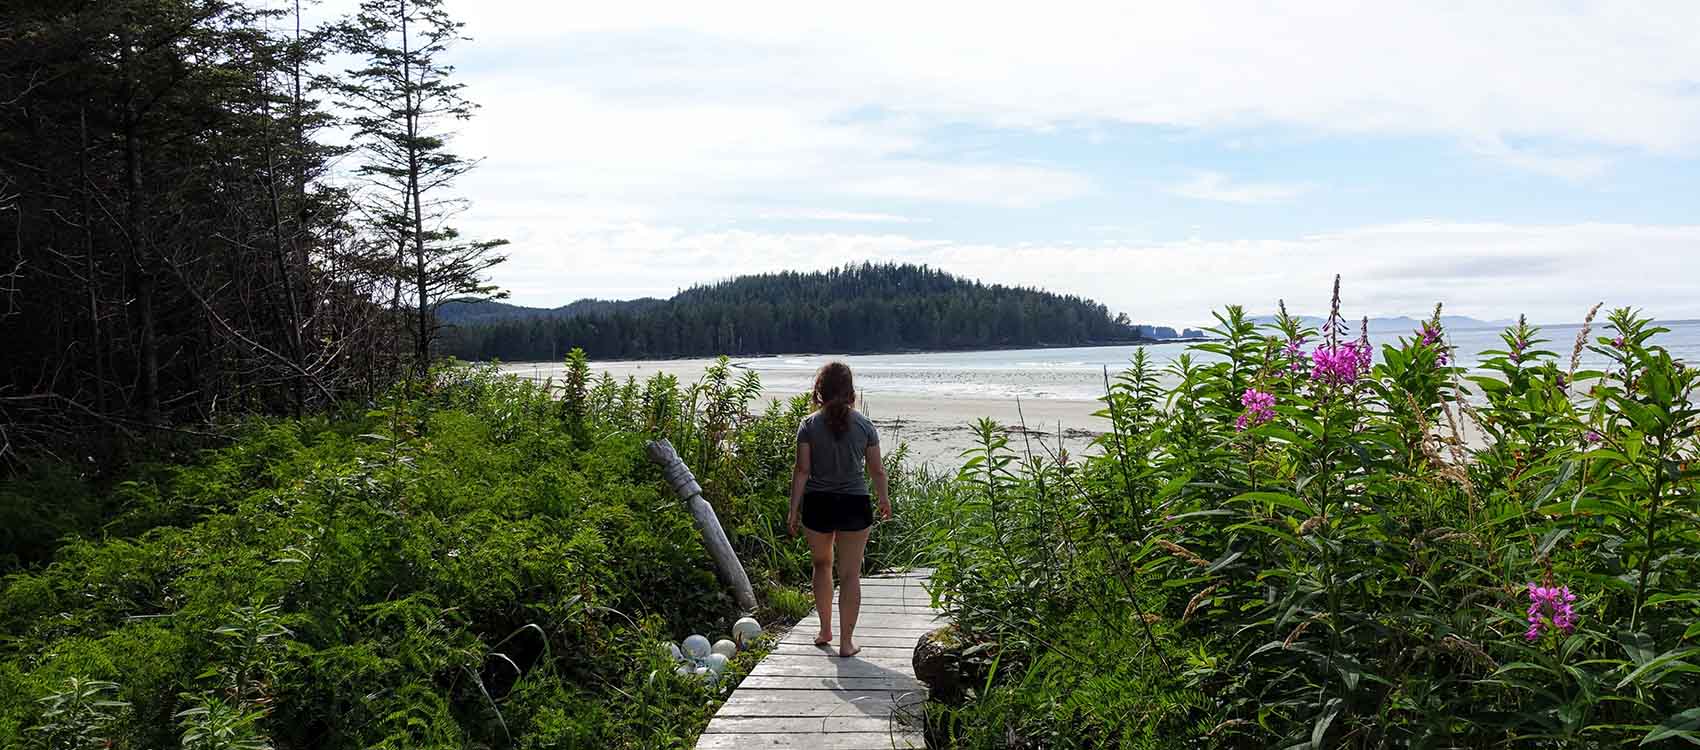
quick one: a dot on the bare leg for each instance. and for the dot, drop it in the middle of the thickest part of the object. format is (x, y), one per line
(850, 547)
(820, 553)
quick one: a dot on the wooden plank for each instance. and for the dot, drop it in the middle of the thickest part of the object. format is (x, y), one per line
(833, 666)
(753, 702)
(871, 647)
(844, 741)
(808, 724)
(897, 682)
(909, 618)
(883, 636)
(806, 630)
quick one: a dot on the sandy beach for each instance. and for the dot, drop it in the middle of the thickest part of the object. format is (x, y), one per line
(936, 427)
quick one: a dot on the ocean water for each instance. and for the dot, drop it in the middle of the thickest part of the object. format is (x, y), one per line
(1078, 373)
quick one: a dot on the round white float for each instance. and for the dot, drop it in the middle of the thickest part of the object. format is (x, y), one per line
(715, 663)
(746, 629)
(697, 646)
(726, 648)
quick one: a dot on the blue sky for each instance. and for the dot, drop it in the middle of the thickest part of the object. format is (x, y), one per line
(1164, 158)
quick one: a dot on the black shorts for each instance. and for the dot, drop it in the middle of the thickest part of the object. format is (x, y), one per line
(826, 512)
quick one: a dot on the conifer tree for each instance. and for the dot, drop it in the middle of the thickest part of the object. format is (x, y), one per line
(403, 100)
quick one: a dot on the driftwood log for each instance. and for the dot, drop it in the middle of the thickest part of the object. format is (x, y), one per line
(684, 483)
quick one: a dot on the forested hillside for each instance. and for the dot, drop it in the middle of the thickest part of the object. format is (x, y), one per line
(853, 309)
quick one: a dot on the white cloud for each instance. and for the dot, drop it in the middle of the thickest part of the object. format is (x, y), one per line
(610, 127)
(1574, 167)
(857, 217)
(687, 107)
(1614, 74)
(1215, 186)
(1011, 186)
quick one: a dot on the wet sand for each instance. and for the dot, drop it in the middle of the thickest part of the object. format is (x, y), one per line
(937, 428)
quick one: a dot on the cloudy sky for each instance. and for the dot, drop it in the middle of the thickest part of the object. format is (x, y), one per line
(1163, 157)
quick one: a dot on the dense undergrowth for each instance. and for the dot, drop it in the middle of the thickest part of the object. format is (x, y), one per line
(1278, 545)
(473, 564)
(1288, 547)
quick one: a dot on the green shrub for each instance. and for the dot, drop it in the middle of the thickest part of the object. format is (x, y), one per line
(1279, 545)
(469, 563)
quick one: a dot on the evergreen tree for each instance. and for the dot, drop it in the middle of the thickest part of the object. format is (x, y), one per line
(402, 98)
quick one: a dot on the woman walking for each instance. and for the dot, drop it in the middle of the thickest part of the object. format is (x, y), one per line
(829, 497)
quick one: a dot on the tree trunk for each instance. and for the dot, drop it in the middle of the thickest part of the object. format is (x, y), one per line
(149, 364)
(422, 340)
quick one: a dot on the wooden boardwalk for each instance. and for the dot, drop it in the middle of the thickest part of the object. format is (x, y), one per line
(804, 696)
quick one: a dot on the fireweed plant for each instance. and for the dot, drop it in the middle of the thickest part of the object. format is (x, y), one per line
(1280, 543)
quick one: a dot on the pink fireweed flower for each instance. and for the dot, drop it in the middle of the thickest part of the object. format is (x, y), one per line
(1431, 337)
(1259, 409)
(1517, 348)
(1294, 352)
(1618, 343)
(1592, 436)
(1342, 365)
(1550, 603)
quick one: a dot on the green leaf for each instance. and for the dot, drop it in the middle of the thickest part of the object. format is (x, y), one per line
(1665, 658)
(1329, 711)
(1685, 725)
(1276, 498)
(1551, 538)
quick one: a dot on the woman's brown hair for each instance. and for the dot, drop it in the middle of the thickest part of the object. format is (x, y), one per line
(835, 393)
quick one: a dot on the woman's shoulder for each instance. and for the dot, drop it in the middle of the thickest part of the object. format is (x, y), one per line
(862, 419)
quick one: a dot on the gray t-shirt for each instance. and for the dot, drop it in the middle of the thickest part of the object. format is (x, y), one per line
(836, 461)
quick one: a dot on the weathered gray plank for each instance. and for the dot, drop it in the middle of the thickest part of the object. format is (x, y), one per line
(912, 618)
(805, 631)
(860, 665)
(815, 741)
(753, 702)
(807, 724)
(899, 683)
(871, 646)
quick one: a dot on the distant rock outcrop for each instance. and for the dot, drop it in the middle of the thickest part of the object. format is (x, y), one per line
(1156, 332)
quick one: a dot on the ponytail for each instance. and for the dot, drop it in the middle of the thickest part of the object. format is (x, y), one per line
(835, 393)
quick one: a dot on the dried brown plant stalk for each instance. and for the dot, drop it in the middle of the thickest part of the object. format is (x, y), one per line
(1581, 342)
(1183, 553)
(1198, 598)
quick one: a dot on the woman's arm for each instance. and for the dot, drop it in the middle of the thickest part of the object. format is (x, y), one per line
(799, 478)
(876, 470)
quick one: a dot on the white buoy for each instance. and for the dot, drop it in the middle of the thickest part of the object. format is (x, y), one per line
(702, 671)
(715, 663)
(685, 670)
(697, 646)
(726, 648)
(745, 630)
(674, 653)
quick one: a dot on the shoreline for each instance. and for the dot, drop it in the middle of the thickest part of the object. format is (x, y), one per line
(937, 428)
(737, 358)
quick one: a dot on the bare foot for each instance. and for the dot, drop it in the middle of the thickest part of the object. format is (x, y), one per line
(849, 649)
(824, 639)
